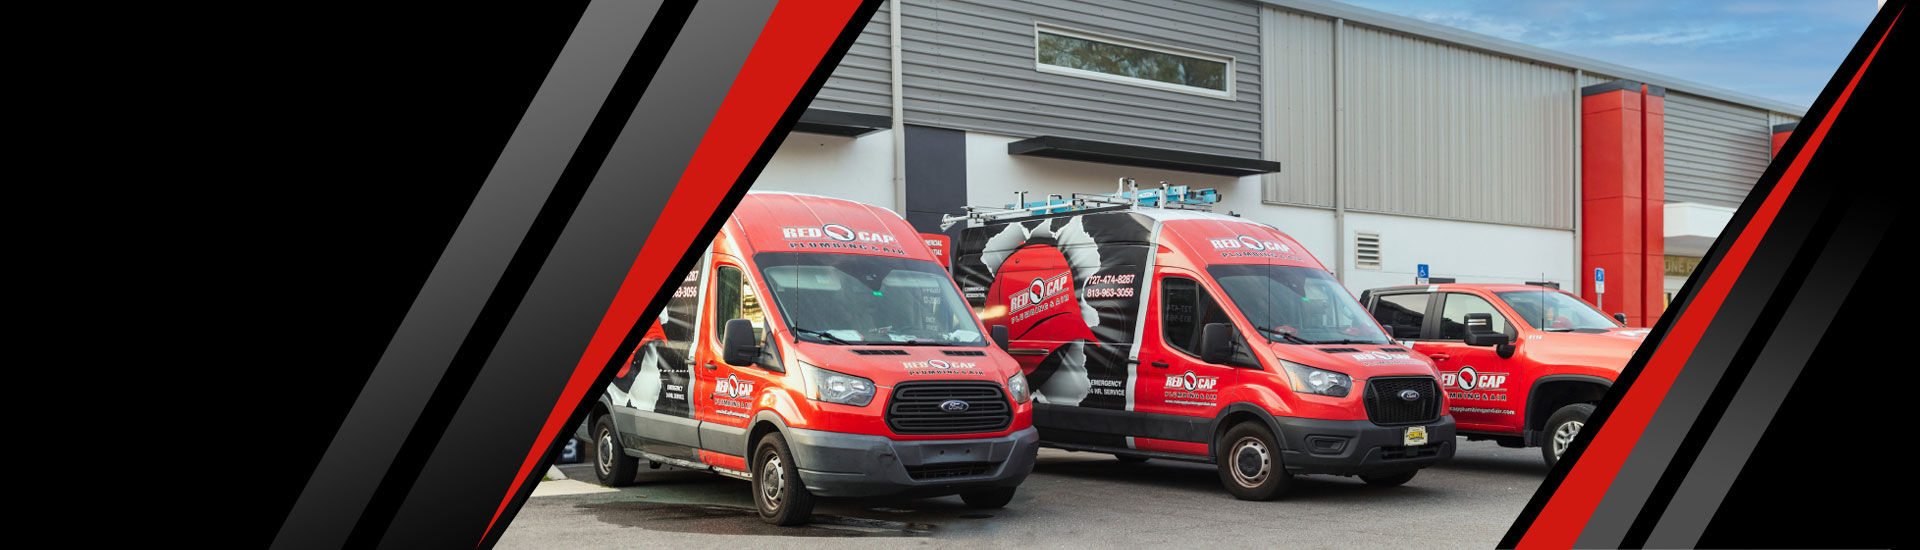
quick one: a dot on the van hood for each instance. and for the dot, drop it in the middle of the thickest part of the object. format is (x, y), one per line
(1360, 361)
(889, 366)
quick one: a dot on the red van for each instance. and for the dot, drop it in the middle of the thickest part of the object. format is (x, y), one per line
(1166, 333)
(818, 349)
(1523, 365)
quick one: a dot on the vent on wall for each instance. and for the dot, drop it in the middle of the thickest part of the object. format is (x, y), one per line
(1366, 250)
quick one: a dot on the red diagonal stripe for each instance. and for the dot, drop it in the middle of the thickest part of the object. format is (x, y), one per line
(796, 37)
(1567, 511)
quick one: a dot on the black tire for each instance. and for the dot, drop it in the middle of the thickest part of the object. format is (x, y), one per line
(1131, 459)
(1570, 418)
(990, 498)
(1390, 480)
(611, 465)
(1248, 460)
(778, 493)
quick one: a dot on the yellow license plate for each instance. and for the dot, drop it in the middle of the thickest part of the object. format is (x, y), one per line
(1416, 435)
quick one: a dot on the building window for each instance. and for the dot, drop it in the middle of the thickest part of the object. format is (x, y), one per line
(1088, 55)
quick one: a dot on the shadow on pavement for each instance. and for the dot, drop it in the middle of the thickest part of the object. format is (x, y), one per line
(1203, 478)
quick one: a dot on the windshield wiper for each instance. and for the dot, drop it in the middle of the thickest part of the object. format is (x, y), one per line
(823, 336)
(1290, 337)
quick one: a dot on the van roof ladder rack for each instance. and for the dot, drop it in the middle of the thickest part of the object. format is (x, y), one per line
(1127, 195)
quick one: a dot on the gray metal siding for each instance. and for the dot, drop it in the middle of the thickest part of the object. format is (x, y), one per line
(969, 65)
(1715, 150)
(1436, 130)
(862, 83)
(1298, 49)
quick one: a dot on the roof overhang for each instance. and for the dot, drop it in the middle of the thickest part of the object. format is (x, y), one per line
(841, 123)
(1135, 155)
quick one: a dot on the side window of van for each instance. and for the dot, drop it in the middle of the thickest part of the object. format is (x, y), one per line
(733, 299)
(1453, 322)
(1185, 307)
(1406, 312)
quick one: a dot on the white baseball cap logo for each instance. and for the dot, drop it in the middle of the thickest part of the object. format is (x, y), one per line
(838, 232)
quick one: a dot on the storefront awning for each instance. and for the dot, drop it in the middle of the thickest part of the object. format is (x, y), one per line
(1135, 155)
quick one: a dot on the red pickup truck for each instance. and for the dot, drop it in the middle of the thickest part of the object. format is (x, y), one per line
(1522, 365)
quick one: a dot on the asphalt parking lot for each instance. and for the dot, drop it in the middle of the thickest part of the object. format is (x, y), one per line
(1071, 500)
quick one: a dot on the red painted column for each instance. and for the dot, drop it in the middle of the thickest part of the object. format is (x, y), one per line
(1780, 134)
(1622, 163)
(1653, 196)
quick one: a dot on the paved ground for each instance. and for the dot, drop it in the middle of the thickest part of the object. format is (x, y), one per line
(1071, 500)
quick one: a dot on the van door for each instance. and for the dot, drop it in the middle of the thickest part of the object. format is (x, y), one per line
(1477, 380)
(1171, 378)
(725, 393)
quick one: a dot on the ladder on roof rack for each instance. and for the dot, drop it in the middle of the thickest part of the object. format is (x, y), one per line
(1128, 195)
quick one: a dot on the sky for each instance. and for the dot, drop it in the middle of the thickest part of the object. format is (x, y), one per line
(1780, 50)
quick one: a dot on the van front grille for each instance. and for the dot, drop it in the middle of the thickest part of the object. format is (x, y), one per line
(916, 408)
(1386, 407)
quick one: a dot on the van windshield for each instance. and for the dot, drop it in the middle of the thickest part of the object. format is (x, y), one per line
(854, 299)
(1555, 311)
(1297, 305)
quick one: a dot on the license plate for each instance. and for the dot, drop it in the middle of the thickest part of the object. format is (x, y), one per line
(1416, 435)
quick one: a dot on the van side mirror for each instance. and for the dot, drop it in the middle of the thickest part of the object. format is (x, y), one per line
(1480, 331)
(738, 345)
(1216, 343)
(1621, 317)
(999, 333)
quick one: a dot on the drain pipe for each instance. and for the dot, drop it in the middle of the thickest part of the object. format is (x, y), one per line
(1579, 204)
(899, 111)
(1339, 157)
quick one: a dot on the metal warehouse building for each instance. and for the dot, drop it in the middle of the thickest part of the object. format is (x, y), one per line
(1379, 142)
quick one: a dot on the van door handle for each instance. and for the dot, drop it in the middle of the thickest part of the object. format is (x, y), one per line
(1161, 364)
(712, 366)
(1439, 356)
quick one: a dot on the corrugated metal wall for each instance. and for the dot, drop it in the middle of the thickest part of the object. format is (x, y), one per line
(861, 83)
(969, 65)
(1299, 75)
(1437, 130)
(1715, 150)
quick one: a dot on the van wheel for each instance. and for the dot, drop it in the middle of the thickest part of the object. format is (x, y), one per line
(1390, 480)
(1131, 459)
(611, 465)
(990, 498)
(1562, 428)
(1249, 462)
(783, 499)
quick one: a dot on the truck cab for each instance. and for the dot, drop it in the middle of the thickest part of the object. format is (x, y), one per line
(817, 349)
(1186, 335)
(1522, 365)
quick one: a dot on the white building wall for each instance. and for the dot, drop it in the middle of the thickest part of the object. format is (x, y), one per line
(860, 169)
(1466, 251)
(857, 169)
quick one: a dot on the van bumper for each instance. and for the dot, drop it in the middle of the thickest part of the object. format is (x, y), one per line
(834, 464)
(1360, 447)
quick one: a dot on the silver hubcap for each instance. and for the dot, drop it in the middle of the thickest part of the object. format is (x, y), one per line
(1563, 437)
(773, 479)
(1251, 462)
(603, 454)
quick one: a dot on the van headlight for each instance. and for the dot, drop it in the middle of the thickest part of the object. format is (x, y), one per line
(1017, 385)
(838, 387)
(1321, 381)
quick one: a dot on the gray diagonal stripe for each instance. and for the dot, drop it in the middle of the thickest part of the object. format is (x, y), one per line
(1765, 387)
(498, 420)
(1666, 431)
(468, 270)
